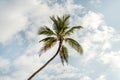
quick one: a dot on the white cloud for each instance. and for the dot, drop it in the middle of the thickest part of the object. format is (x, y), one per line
(85, 78)
(27, 64)
(20, 75)
(92, 20)
(61, 72)
(95, 29)
(40, 14)
(6, 78)
(107, 45)
(88, 57)
(104, 35)
(72, 8)
(112, 59)
(13, 18)
(66, 71)
(101, 77)
(4, 65)
(95, 36)
(116, 37)
(11, 24)
(95, 1)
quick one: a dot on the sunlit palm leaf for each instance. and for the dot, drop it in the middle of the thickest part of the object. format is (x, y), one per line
(45, 31)
(71, 30)
(74, 44)
(64, 54)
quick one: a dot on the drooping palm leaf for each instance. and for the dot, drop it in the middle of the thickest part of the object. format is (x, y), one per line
(48, 43)
(71, 30)
(45, 31)
(48, 39)
(74, 44)
(64, 54)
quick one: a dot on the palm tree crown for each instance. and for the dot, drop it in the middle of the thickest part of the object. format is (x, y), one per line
(61, 32)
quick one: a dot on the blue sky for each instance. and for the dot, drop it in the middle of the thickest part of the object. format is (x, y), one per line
(100, 39)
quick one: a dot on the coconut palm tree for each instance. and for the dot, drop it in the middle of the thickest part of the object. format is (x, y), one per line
(60, 33)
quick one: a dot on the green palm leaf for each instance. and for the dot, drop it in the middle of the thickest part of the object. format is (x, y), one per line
(65, 22)
(71, 30)
(60, 24)
(55, 24)
(48, 39)
(66, 19)
(45, 31)
(64, 54)
(48, 43)
(74, 44)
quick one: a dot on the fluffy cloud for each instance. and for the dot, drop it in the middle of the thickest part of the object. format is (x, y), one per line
(95, 1)
(6, 78)
(85, 78)
(101, 77)
(112, 59)
(13, 17)
(92, 20)
(10, 25)
(96, 36)
(27, 64)
(40, 14)
(4, 65)
(64, 72)
(89, 57)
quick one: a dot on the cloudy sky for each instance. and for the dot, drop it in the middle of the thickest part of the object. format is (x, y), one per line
(100, 39)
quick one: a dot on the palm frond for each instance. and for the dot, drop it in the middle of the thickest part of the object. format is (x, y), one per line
(55, 24)
(64, 54)
(66, 19)
(48, 43)
(60, 21)
(74, 44)
(45, 31)
(65, 22)
(71, 30)
(48, 39)
(60, 24)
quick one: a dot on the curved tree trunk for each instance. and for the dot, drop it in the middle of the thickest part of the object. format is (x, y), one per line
(60, 43)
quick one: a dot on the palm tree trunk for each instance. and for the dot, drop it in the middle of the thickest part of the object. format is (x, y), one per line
(60, 43)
